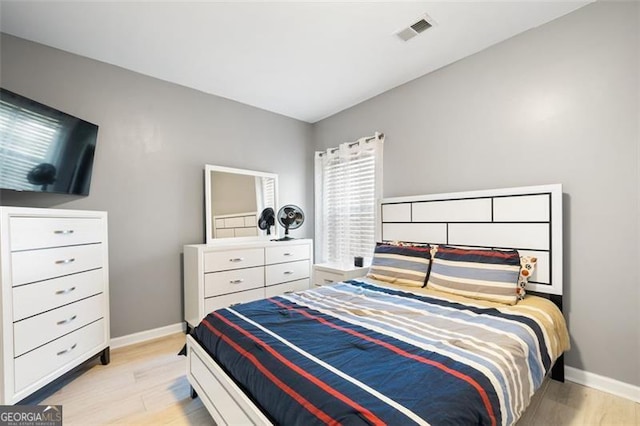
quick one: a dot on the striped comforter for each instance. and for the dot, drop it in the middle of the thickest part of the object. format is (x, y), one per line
(362, 353)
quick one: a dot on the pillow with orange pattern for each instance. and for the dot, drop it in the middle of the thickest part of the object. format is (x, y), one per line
(527, 266)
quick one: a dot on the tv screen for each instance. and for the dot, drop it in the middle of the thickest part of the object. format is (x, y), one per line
(43, 149)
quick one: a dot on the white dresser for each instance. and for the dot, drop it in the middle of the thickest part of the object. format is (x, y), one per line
(228, 272)
(55, 295)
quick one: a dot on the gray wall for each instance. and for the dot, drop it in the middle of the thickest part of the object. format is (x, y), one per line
(557, 104)
(153, 142)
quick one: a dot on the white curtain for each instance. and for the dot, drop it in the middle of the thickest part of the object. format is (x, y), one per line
(348, 184)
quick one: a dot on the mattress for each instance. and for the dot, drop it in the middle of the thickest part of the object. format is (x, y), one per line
(363, 352)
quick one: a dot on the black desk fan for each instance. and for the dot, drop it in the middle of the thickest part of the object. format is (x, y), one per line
(290, 217)
(267, 220)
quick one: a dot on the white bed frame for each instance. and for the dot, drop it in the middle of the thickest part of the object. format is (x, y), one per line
(526, 218)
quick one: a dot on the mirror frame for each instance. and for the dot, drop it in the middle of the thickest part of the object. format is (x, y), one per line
(208, 170)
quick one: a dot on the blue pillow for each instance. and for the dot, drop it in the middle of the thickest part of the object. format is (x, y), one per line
(479, 274)
(404, 264)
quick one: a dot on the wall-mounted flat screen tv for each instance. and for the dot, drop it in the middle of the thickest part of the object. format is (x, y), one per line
(43, 149)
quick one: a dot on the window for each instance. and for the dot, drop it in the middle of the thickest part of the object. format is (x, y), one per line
(348, 183)
(265, 190)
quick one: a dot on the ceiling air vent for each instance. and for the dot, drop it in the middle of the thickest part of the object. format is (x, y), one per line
(415, 29)
(420, 26)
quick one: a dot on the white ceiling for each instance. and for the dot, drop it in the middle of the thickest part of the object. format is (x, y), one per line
(303, 60)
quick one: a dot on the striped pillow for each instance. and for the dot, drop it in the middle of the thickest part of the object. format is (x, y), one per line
(401, 264)
(479, 274)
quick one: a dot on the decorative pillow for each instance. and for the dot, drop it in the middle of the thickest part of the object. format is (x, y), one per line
(401, 263)
(527, 266)
(480, 274)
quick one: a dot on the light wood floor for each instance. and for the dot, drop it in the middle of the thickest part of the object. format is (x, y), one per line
(145, 384)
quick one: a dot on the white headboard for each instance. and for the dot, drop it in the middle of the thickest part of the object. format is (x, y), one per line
(528, 219)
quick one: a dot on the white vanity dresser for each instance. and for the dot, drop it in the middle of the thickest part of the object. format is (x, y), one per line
(55, 295)
(232, 267)
(229, 271)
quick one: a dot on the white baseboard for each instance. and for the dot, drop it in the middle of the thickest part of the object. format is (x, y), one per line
(143, 336)
(603, 383)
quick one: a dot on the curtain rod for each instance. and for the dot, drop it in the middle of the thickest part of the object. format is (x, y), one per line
(350, 144)
(370, 138)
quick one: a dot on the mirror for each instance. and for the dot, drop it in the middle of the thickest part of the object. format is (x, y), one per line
(234, 199)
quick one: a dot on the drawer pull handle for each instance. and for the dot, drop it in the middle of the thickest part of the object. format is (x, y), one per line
(67, 291)
(288, 272)
(67, 321)
(236, 259)
(236, 281)
(287, 254)
(288, 292)
(63, 231)
(65, 261)
(67, 350)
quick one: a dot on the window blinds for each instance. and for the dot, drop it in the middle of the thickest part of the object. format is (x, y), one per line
(25, 135)
(268, 191)
(348, 185)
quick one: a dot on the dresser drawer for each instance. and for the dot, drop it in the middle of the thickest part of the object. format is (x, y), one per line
(225, 233)
(35, 365)
(327, 273)
(217, 283)
(324, 277)
(234, 222)
(250, 221)
(283, 272)
(213, 303)
(287, 253)
(290, 287)
(31, 299)
(40, 329)
(42, 232)
(233, 259)
(37, 265)
(246, 232)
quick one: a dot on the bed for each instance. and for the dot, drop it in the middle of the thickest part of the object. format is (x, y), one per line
(372, 352)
